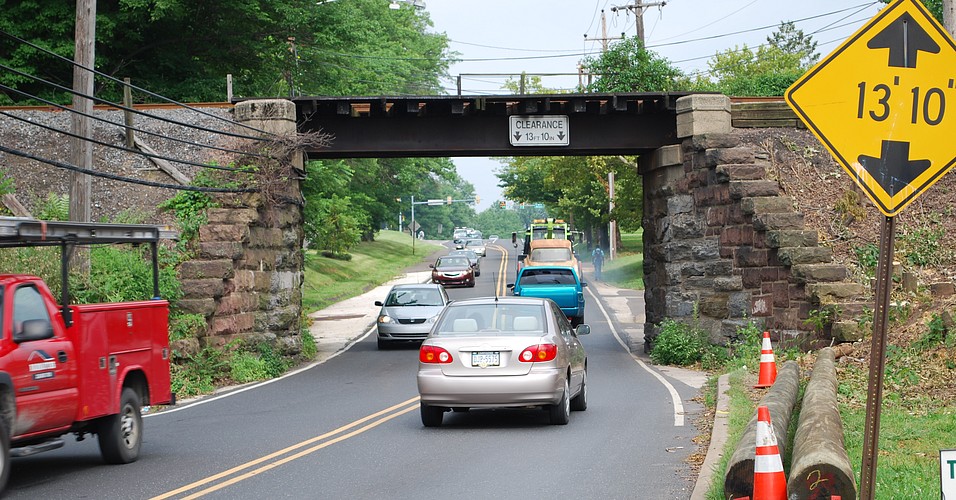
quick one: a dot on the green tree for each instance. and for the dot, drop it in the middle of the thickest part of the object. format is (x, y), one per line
(628, 66)
(791, 40)
(767, 71)
(500, 221)
(184, 49)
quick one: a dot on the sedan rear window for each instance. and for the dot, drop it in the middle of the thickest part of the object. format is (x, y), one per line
(533, 276)
(497, 319)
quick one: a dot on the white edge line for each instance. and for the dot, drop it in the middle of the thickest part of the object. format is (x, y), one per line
(675, 397)
(265, 382)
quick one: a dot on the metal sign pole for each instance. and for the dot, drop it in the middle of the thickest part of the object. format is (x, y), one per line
(412, 226)
(874, 391)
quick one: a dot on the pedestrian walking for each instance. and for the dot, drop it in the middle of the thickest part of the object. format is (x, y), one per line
(597, 258)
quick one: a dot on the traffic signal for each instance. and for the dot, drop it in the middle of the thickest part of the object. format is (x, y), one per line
(477, 199)
(449, 200)
(502, 204)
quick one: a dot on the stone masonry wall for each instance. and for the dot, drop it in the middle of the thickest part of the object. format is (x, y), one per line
(247, 279)
(723, 246)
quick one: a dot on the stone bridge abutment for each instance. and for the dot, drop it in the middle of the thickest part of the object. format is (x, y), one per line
(724, 246)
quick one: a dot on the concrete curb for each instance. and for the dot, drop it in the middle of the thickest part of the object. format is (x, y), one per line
(718, 439)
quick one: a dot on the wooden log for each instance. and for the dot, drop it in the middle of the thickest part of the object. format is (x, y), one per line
(820, 467)
(780, 399)
(13, 204)
(163, 165)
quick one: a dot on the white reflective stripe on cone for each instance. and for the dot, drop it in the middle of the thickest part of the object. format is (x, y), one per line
(766, 358)
(768, 463)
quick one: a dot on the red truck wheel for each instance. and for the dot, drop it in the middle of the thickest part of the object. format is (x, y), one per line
(121, 435)
(4, 455)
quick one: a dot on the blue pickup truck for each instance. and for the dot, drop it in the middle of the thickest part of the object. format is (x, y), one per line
(558, 283)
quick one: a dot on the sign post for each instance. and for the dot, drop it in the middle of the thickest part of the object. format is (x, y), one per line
(878, 104)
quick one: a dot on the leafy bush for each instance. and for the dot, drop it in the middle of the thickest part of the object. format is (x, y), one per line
(121, 274)
(199, 373)
(309, 347)
(922, 246)
(186, 326)
(867, 257)
(678, 344)
(54, 207)
(190, 206)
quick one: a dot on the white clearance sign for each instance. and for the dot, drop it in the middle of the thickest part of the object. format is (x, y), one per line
(538, 130)
(947, 466)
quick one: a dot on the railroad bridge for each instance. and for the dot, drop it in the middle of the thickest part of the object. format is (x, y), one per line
(722, 244)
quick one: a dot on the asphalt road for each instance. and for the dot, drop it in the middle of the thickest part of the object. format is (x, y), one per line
(350, 428)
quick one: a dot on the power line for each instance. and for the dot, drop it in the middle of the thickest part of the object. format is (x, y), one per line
(120, 178)
(136, 111)
(135, 129)
(95, 72)
(122, 148)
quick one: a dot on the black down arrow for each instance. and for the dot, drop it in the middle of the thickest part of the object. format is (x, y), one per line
(905, 38)
(894, 170)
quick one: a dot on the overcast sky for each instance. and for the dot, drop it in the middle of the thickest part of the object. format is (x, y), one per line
(547, 37)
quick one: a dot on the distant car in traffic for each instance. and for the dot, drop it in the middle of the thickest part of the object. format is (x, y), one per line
(454, 270)
(494, 352)
(472, 257)
(476, 244)
(408, 312)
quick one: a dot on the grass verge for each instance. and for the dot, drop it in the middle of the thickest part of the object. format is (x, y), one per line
(627, 270)
(328, 281)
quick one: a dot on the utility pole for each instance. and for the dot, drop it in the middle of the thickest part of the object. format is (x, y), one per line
(82, 149)
(949, 16)
(638, 9)
(604, 38)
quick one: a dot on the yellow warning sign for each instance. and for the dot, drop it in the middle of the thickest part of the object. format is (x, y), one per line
(884, 104)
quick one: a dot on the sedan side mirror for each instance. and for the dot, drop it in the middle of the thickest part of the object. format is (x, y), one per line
(379, 303)
(582, 329)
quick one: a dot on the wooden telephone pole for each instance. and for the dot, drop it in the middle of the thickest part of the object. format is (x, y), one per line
(81, 148)
(638, 9)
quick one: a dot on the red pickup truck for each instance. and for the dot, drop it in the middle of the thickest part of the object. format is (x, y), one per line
(85, 369)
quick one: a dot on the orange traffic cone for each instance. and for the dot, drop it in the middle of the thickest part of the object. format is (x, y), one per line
(770, 483)
(768, 364)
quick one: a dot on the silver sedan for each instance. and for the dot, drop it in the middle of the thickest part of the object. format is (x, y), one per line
(408, 313)
(502, 352)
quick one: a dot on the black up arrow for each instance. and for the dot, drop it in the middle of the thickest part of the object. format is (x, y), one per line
(905, 38)
(517, 136)
(894, 170)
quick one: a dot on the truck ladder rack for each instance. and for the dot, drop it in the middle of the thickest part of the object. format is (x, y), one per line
(26, 232)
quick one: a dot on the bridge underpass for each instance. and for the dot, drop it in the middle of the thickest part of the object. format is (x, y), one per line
(723, 245)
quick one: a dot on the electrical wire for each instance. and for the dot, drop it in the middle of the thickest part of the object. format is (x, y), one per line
(120, 178)
(135, 129)
(132, 110)
(134, 87)
(121, 148)
(715, 21)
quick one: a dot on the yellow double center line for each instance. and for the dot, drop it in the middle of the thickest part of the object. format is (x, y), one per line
(273, 460)
(502, 278)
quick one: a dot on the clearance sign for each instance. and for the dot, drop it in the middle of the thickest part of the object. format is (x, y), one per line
(884, 104)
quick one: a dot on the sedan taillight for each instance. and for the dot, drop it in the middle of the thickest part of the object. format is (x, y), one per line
(540, 352)
(433, 355)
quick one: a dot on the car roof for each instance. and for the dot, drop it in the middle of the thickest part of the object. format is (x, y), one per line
(507, 299)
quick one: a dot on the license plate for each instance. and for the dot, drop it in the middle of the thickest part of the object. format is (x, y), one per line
(485, 358)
